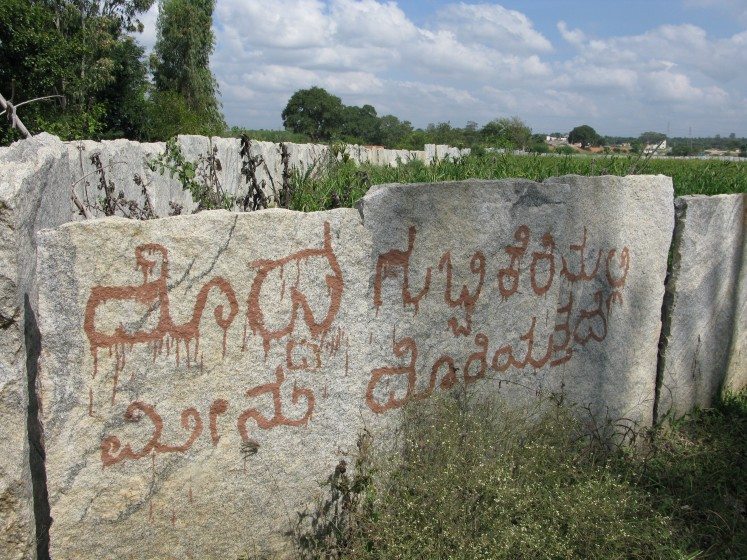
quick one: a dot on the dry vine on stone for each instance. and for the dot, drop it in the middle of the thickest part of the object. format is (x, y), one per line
(255, 198)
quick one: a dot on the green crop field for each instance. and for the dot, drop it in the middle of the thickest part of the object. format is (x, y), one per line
(341, 183)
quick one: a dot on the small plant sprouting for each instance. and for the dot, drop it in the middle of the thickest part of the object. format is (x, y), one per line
(200, 178)
(326, 532)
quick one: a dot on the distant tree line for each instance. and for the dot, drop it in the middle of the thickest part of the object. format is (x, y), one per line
(89, 77)
(321, 116)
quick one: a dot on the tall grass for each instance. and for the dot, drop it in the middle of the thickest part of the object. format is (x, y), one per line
(475, 479)
(341, 183)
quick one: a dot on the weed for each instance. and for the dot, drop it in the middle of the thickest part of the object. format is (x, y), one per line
(474, 478)
(200, 178)
(325, 188)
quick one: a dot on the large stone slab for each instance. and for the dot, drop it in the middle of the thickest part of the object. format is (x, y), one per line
(522, 287)
(199, 378)
(706, 343)
(34, 194)
(203, 374)
(122, 164)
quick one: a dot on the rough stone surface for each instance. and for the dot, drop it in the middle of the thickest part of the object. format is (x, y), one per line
(437, 152)
(124, 163)
(201, 375)
(706, 344)
(34, 179)
(199, 378)
(121, 161)
(552, 287)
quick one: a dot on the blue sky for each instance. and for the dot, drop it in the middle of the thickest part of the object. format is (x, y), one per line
(621, 66)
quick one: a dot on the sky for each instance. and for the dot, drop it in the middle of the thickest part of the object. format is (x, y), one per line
(623, 67)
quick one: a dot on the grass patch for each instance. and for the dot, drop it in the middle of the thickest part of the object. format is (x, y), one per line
(696, 470)
(342, 183)
(474, 479)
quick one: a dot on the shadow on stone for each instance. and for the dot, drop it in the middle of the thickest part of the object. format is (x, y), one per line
(36, 443)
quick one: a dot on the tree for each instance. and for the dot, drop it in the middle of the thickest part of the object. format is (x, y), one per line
(314, 112)
(652, 137)
(585, 135)
(538, 144)
(360, 124)
(393, 133)
(181, 61)
(79, 52)
(507, 132)
(682, 149)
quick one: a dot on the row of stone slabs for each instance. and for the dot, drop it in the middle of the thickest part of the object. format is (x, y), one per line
(198, 379)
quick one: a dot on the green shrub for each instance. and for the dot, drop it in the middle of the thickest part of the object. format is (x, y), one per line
(347, 183)
(474, 479)
(696, 470)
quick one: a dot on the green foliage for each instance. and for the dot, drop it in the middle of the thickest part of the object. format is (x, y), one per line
(585, 135)
(199, 178)
(695, 469)
(393, 132)
(348, 182)
(79, 52)
(468, 478)
(319, 115)
(651, 137)
(360, 123)
(509, 133)
(169, 115)
(180, 64)
(565, 150)
(314, 112)
(538, 144)
(475, 479)
(276, 136)
(682, 149)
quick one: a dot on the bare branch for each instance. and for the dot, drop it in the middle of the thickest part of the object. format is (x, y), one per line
(22, 103)
(13, 119)
(82, 209)
(110, 164)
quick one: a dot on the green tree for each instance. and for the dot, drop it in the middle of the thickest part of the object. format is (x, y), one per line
(538, 144)
(314, 112)
(651, 137)
(360, 124)
(585, 135)
(682, 149)
(507, 133)
(393, 132)
(443, 133)
(181, 66)
(80, 52)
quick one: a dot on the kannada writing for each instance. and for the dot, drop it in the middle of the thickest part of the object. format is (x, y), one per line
(576, 325)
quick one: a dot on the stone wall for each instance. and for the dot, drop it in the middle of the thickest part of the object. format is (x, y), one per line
(34, 185)
(124, 164)
(706, 336)
(201, 374)
(218, 366)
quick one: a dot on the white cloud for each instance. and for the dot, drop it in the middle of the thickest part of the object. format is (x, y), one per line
(673, 70)
(471, 61)
(492, 25)
(367, 23)
(573, 36)
(148, 36)
(282, 24)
